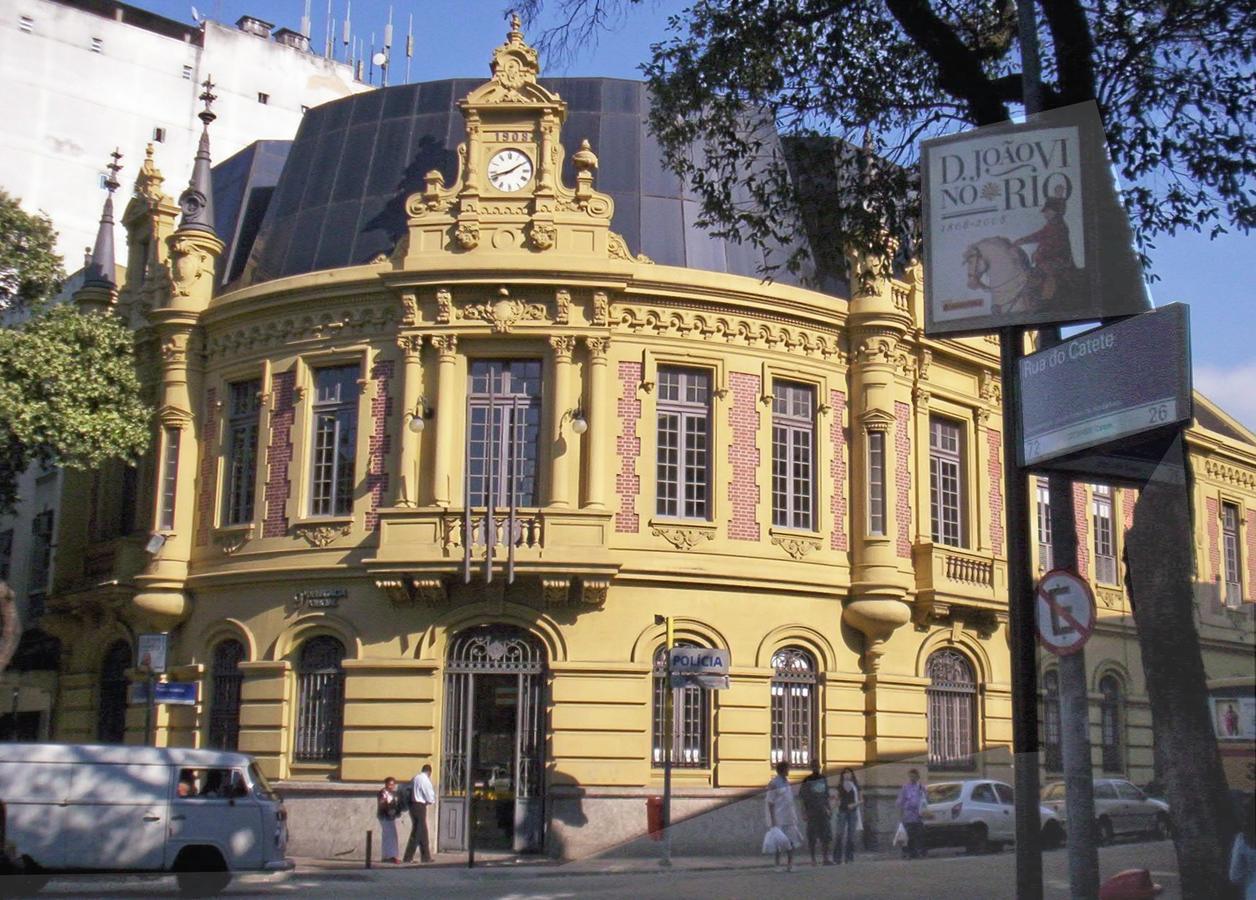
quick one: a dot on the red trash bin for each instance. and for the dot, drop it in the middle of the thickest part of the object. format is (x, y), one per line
(1132, 884)
(654, 817)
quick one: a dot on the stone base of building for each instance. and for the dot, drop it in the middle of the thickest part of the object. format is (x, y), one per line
(330, 821)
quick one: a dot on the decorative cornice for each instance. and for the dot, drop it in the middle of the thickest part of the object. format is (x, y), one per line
(1230, 474)
(683, 537)
(322, 535)
(278, 332)
(730, 329)
(555, 591)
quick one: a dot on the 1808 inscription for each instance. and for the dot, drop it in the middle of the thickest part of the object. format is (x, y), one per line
(510, 135)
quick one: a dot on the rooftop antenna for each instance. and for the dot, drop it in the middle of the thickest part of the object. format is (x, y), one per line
(382, 58)
(306, 26)
(346, 37)
(373, 62)
(196, 16)
(328, 32)
(409, 45)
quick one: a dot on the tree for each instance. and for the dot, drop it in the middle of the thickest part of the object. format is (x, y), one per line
(1172, 79)
(855, 85)
(69, 392)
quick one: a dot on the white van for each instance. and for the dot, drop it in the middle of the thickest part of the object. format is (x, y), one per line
(202, 814)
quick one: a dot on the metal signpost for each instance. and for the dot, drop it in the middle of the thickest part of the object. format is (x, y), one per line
(152, 649)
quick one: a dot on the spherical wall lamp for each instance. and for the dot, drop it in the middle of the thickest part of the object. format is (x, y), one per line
(418, 418)
(579, 424)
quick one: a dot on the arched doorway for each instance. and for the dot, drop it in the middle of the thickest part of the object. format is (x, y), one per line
(492, 776)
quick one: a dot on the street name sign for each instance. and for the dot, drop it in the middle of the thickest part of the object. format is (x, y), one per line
(173, 693)
(1106, 385)
(1065, 612)
(1024, 227)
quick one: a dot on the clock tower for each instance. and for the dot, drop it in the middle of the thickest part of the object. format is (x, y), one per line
(509, 197)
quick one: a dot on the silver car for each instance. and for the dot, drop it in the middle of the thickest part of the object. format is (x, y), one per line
(978, 814)
(1120, 809)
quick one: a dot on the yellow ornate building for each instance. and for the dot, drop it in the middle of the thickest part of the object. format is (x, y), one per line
(422, 499)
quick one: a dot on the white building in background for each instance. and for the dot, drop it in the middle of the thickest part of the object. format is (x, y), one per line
(81, 77)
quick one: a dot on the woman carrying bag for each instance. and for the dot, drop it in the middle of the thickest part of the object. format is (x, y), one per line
(847, 816)
(387, 809)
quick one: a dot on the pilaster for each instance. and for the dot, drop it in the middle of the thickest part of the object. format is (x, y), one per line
(446, 403)
(561, 444)
(601, 418)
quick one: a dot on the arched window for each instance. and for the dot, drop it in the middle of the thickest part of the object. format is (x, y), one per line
(111, 711)
(952, 710)
(1110, 714)
(224, 703)
(1052, 747)
(691, 719)
(793, 707)
(320, 700)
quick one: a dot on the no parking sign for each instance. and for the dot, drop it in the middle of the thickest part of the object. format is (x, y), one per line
(1066, 612)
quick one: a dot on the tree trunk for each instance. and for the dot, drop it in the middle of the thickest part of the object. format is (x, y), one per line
(1160, 565)
(10, 627)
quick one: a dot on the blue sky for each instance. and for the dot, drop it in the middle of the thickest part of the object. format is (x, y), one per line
(456, 38)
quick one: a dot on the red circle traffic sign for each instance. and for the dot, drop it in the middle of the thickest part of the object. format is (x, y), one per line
(1065, 612)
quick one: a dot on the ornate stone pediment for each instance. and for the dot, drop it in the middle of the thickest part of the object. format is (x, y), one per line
(322, 535)
(796, 547)
(683, 537)
(506, 312)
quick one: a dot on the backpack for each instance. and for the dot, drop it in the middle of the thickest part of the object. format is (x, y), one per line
(405, 793)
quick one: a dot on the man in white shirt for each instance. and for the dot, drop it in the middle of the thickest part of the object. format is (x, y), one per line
(422, 795)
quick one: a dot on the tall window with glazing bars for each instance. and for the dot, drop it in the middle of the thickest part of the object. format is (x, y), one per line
(320, 700)
(794, 687)
(243, 410)
(335, 440)
(684, 439)
(1233, 596)
(952, 710)
(1105, 541)
(946, 482)
(504, 412)
(793, 455)
(690, 719)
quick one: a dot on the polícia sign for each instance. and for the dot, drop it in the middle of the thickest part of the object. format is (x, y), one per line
(699, 661)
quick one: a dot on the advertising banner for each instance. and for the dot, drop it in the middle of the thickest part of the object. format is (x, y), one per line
(1022, 226)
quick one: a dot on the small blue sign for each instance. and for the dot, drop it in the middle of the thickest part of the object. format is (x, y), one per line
(174, 693)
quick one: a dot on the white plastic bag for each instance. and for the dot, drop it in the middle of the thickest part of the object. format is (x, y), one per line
(776, 841)
(900, 836)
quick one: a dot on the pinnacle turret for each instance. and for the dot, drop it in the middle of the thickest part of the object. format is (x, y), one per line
(197, 200)
(100, 270)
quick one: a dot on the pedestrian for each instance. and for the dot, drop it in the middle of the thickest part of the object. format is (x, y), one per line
(387, 809)
(814, 793)
(1243, 853)
(783, 834)
(848, 815)
(422, 795)
(911, 802)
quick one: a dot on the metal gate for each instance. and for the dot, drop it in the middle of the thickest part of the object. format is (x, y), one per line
(503, 656)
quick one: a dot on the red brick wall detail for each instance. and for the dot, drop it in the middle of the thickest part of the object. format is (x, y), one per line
(205, 494)
(1129, 497)
(279, 455)
(994, 446)
(1081, 521)
(838, 469)
(1213, 513)
(628, 446)
(902, 477)
(743, 457)
(379, 445)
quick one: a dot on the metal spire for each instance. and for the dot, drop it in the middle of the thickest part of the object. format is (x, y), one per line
(197, 200)
(100, 269)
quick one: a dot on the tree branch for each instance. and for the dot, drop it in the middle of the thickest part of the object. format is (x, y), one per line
(959, 70)
(1074, 50)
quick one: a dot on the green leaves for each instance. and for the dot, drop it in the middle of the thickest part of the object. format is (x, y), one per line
(69, 394)
(30, 270)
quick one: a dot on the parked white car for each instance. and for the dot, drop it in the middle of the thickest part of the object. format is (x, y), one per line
(1120, 809)
(202, 814)
(978, 814)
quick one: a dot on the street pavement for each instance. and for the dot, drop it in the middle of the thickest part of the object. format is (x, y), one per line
(942, 874)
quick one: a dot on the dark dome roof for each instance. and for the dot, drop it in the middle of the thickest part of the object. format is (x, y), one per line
(340, 199)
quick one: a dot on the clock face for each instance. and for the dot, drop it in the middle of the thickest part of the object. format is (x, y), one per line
(509, 170)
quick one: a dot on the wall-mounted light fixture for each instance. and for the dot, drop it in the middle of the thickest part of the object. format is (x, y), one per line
(579, 424)
(418, 418)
